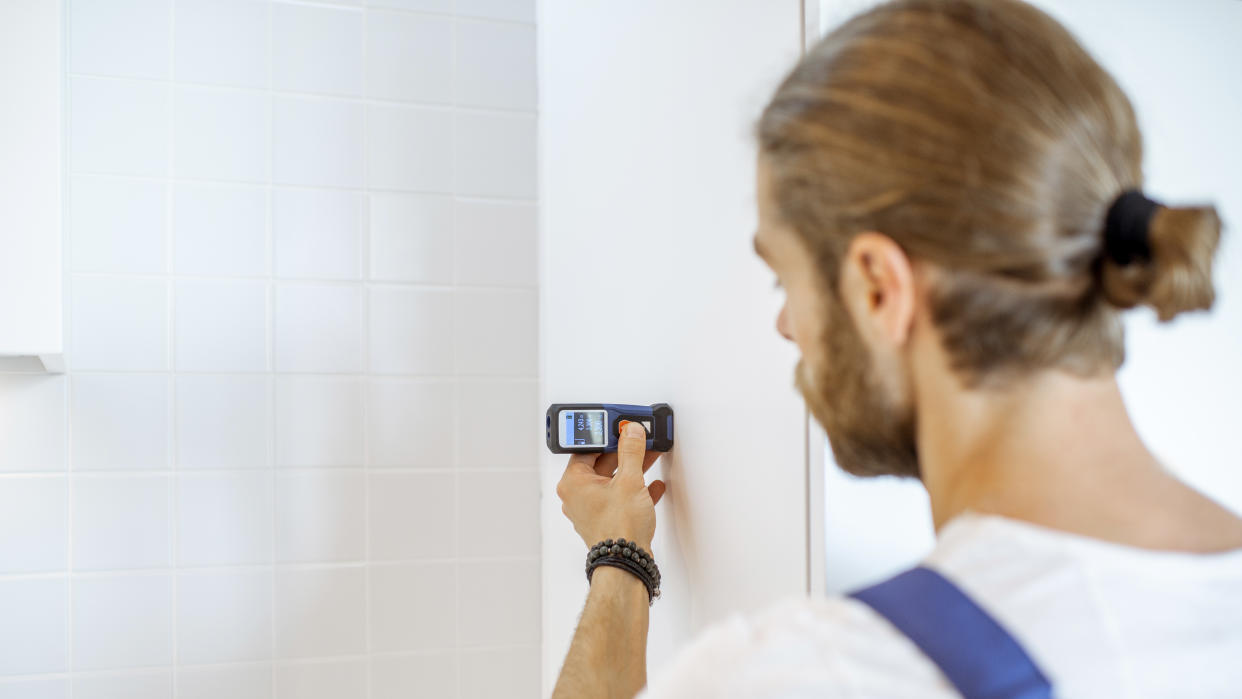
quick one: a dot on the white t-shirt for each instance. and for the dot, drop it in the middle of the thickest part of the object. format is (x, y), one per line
(1099, 619)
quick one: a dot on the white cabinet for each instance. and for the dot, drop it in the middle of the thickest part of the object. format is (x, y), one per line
(30, 185)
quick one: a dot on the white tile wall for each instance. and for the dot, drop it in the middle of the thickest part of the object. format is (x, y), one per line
(122, 621)
(221, 134)
(37, 688)
(33, 638)
(327, 680)
(220, 230)
(221, 325)
(118, 225)
(34, 524)
(144, 685)
(122, 522)
(300, 256)
(317, 233)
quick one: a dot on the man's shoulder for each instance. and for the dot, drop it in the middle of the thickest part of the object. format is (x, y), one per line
(822, 646)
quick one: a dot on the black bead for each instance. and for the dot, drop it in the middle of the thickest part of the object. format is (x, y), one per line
(608, 542)
(626, 551)
(621, 542)
(614, 549)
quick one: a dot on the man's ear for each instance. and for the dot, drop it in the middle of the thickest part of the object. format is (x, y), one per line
(878, 287)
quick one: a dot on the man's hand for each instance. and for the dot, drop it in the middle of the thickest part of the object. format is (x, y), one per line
(608, 656)
(607, 505)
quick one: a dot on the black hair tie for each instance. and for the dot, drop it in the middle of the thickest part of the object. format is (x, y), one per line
(1126, 227)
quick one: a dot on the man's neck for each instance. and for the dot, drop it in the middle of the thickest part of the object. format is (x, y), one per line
(1059, 451)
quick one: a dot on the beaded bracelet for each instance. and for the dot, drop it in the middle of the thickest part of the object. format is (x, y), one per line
(629, 556)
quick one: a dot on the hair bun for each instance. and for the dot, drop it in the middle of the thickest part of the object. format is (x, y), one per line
(1176, 275)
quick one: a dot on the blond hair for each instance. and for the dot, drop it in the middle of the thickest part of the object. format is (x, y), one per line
(981, 137)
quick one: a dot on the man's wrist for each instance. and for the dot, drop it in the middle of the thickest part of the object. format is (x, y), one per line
(616, 578)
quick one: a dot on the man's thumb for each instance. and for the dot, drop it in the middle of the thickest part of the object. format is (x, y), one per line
(631, 447)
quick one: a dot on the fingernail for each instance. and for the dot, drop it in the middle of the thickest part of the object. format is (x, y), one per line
(621, 426)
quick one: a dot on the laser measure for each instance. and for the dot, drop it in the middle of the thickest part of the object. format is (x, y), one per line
(594, 427)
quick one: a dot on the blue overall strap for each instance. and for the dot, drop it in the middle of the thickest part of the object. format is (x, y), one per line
(979, 657)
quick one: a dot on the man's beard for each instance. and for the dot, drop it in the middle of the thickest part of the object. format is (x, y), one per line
(870, 432)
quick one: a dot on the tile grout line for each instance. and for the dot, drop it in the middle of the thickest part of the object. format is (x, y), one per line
(224, 183)
(171, 442)
(364, 267)
(360, 99)
(67, 328)
(270, 359)
(453, 319)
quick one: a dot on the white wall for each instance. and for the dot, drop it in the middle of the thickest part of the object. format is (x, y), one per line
(301, 256)
(651, 293)
(1178, 62)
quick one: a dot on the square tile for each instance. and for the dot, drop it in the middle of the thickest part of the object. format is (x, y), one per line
(405, 676)
(232, 681)
(121, 522)
(221, 325)
(222, 41)
(322, 680)
(411, 238)
(32, 637)
(223, 421)
(508, 443)
(117, 225)
(410, 148)
(411, 516)
(319, 328)
(224, 518)
(316, 49)
(127, 38)
(500, 672)
(222, 134)
(224, 616)
(320, 516)
(32, 422)
(497, 244)
(318, 142)
(119, 324)
(413, 607)
(512, 10)
(118, 127)
(144, 685)
(496, 65)
(494, 614)
(120, 422)
(491, 501)
(410, 57)
(319, 421)
(34, 524)
(220, 230)
(482, 318)
(317, 233)
(410, 423)
(320, 612)
(39, 688)
(122, 621)
(495, 155)
(411, 331)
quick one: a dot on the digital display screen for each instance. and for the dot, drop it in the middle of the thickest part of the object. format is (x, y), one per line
(583, 428)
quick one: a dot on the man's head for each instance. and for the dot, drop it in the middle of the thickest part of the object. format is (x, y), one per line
(946, 165)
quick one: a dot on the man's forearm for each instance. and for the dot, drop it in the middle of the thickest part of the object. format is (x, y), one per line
(608, 656)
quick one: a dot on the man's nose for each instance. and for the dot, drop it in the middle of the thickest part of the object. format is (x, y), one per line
(782, 324)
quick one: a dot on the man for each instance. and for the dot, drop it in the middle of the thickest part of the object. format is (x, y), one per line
(949, 192)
